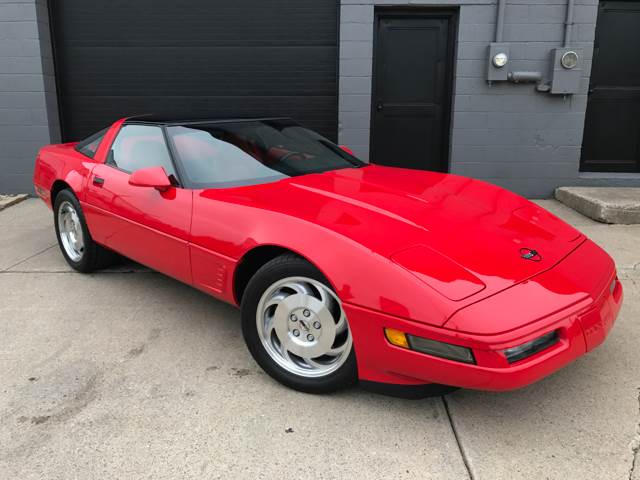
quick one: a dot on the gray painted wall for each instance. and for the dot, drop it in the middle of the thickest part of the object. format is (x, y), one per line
(508, 134)
(28, 110)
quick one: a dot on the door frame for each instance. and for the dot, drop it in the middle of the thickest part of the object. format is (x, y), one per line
(452, 14)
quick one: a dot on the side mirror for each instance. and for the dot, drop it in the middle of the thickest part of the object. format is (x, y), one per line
(346, 149)
(154, 177)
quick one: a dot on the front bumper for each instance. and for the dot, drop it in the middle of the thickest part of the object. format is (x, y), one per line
(581, 326)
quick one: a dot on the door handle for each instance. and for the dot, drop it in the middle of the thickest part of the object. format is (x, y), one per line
(98, 181)
(379, 107)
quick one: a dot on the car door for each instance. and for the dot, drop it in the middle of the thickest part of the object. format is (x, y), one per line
(142, 223)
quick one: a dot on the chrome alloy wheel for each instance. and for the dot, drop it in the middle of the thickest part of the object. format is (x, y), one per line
(303, 328)
(70, 230)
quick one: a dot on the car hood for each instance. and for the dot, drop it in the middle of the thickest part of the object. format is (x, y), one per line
(462, 237)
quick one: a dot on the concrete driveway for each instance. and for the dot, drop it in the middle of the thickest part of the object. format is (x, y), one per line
(129, 374)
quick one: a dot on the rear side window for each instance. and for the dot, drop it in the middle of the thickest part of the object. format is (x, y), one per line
(140, 146)
(90, 145)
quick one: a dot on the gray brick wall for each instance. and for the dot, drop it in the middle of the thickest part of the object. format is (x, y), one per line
(507, 134)
(28, 110)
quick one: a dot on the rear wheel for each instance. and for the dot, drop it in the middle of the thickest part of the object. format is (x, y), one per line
(295, 327)
(76, 244)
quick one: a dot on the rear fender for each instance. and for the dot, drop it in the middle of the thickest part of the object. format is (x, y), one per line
(63, 163)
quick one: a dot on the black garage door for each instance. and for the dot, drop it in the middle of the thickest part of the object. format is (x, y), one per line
(195, 58)
(612, 126)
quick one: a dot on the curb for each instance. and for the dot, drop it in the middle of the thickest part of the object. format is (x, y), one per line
(7, 201)
(612, 205)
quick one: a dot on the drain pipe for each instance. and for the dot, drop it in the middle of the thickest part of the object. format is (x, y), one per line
(502, 5)
(568, 24)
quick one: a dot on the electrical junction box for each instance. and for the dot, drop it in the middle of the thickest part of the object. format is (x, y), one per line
(566, 70)
(498, 69)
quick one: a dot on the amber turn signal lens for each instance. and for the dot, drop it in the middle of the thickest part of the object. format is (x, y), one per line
(396, 337)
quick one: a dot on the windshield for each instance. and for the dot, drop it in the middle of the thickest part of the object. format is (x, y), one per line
(252, 152)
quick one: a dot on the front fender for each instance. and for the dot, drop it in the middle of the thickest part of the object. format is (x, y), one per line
(224, 233)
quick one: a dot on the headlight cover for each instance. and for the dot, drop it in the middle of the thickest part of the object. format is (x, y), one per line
(531, 348)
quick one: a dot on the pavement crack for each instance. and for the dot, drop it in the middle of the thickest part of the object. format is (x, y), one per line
(28, 258)
(36, 271)
(461, 449)
(72, 272)
(635, 444)
(635, 266)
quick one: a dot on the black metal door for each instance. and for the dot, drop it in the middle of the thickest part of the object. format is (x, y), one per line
(612, 126)
(411, 101)
(196, 58)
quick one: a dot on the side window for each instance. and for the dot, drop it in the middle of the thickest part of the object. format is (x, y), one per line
(90, 145)
(140, 146)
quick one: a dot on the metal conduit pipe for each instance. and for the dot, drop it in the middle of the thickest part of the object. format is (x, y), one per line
(502, 5)
(525, 77)
(568, 24)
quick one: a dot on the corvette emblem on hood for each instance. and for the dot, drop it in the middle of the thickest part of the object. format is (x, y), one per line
(529, 254)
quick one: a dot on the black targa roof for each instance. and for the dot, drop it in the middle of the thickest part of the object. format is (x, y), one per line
(167, 120)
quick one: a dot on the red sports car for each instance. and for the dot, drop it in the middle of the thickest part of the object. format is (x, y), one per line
(405, 280)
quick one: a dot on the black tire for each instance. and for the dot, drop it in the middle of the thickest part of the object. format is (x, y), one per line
(284, 266)
(93, 255)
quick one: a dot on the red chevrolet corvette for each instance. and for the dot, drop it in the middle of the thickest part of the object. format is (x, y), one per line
(407, 281)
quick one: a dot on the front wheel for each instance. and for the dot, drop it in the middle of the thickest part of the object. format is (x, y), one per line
(295, 327)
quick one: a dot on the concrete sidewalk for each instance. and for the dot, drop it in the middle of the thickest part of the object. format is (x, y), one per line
(128, 374)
